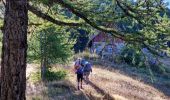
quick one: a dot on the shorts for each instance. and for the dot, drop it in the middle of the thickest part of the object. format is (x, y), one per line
(79, 77)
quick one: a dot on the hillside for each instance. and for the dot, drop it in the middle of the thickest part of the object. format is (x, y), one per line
(106, 84)
(113, 85)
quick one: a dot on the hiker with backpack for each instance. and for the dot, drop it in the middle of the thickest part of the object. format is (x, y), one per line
(79, 71)
(87, 70)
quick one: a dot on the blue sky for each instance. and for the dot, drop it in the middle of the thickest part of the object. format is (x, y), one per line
(168, 2)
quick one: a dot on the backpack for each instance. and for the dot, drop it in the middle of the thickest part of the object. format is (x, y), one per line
(83, 62)
(88, 67)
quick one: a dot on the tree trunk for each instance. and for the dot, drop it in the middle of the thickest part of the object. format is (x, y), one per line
(43, 40)
(13, 65)
(43, 69)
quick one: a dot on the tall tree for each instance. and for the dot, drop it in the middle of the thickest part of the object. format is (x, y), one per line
(13, 65)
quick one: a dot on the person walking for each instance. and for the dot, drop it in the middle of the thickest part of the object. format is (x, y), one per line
(79, 71)
(87, 70)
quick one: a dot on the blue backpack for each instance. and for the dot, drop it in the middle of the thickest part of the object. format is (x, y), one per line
(88, 67)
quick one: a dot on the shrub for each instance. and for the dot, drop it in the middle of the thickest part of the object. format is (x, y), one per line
(141, 64)
(35, 77)
(137, 58)
(127, 55)
(49, 76)
(118, 59)
(132, 56)
(55, 75)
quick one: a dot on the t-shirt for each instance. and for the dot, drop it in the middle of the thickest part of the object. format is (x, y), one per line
(80, 70)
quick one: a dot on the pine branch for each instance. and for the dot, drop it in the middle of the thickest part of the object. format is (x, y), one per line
(40, 14)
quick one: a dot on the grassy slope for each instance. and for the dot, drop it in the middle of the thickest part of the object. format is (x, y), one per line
(105, 85)
(119, 86)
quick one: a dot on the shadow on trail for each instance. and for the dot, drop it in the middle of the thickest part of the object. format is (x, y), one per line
(162, 83)
(106, 96)
(56, 90)
(64, 90)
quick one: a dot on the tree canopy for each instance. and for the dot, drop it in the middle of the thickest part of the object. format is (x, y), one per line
(144, 23)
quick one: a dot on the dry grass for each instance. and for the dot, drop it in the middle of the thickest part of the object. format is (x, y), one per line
(53, 90)
(106, 84)
(59, 90)
(118, 87)
(125, 86)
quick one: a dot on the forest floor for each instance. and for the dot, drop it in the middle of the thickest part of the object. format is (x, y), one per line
(106, 83)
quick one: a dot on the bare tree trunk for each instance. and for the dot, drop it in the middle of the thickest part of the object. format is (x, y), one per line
(43, 69)
(43, 55)
(13, 65)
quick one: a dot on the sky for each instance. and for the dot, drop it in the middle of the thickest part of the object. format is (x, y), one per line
(168, 2)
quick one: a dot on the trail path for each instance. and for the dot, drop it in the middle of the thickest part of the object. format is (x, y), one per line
(107, 85)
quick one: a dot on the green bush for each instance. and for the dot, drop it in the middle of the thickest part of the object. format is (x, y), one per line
(49, 75)
(141, 64)
(137, 58)
(131, 56)
(127, 55)
(58, 75)
(118, 59)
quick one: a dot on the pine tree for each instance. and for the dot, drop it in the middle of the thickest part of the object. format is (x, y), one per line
(13, 65)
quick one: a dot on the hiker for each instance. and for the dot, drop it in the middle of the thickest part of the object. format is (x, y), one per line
(79, 71)
(87, 69)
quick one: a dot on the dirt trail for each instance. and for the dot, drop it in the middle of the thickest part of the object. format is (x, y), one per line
(107, 85)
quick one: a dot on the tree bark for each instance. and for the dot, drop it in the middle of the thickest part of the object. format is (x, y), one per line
(43, 69)
(13, 65)
(43, 40)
